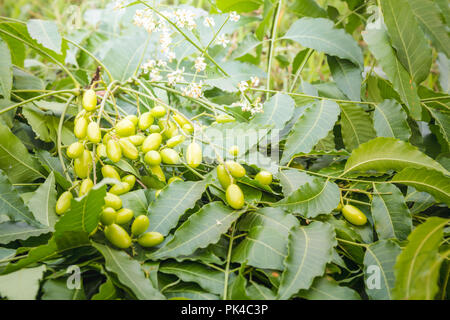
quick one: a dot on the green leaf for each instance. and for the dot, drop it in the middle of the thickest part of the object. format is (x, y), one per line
(390, 120)
(268, 217)
(431, 181)
(136, 201)
(348, 77)
(383, 154)
(417, 266)
(209, 279)
(314, 124)
(11, 231)
(52, 164)
(442, 120)
(238, 5)
(379, 261)
(326, 288)
(237, 289)
(107, 291)
(6, 74)
(188, 291)
(129, 272)
(390, 214)
(22, 284)
(356, 126)
(42, 203)
(292, 179)
(402, 82)
(172, 202)
(320, 34)
(307, 8)
(56, 289)
(15, 160)
(277, 111)
(429, 18)
(256, 291)
(45, 33)
(407, 38)
(310, 249)
(312, 199)
(201, 229)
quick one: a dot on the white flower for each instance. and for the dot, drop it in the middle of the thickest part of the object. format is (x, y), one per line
(144, 18)
(194, 90)
(200, 64)
(162, 63)
(154, 75)
(257, 106)
(222, 40)
(185, 18)
(254, 81)
(243, 86)
(234, 16)
(170, 56)
(209, 22)
(148, 65)
(175, 76)
(119, 5)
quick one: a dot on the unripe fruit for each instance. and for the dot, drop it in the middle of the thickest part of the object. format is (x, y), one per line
(234, 196)
(174, 178)
(154, 128)
(117, 236)
(235, 169)
(137, 139)
(152, 158)
(133, 118)
(80, 128)
(145, 121)
(224, 118)
(82, 165)
(169, 156)
(224, 178)
(129, 150)
(113, 150)
(354, 215)
(130, 179)
(158, 112)
(181, 120)
(113, 201)
(174, 141)
(75, 150)
(94, 134)
(120, 188)
(101, 151)
(188, 128)
(110, 172)
(157, 171)
(169, 128)
(106, 138)
(85, 187)
(234, 151)
(264, 177)
(140, 225)
(63, 203)
(152, 142)
(150, 239)
(194, 155)
(108, 216)
(89, 100)
(124, 216)
(125, 128)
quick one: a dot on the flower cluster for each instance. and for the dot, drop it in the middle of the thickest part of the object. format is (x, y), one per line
(244, 103)
(193, 90)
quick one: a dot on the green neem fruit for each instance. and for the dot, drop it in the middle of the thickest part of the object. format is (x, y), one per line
(140, 225)
(113, 150)
(157, 171)
(113, 201)
(80, 128)
(108, 216)
(129, 150)
(110, 172)
(224, 178)
(234, 151)
(82, 165)
(234, 196)
(152, 142)
(89, 100)
(152, 158)
(224, 118)
(150, 239)
(235, 169)
(101, 151)
(158, 112)
(354, 215)
(124, 216)
(125, 128)
(194, 155)
(133, 118)
(117, 236)
(63, 203)
(75, 150)
(130, 179)
(181, 120)
(85, 187)
(137, 139)
(106, 138)
(169, 156)
(145, 121)
(188, 128)
(169, 128)
(120, 188)
(94, 134)
(264, 177)
(174, 141)
(174, 178)
(154, 128)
